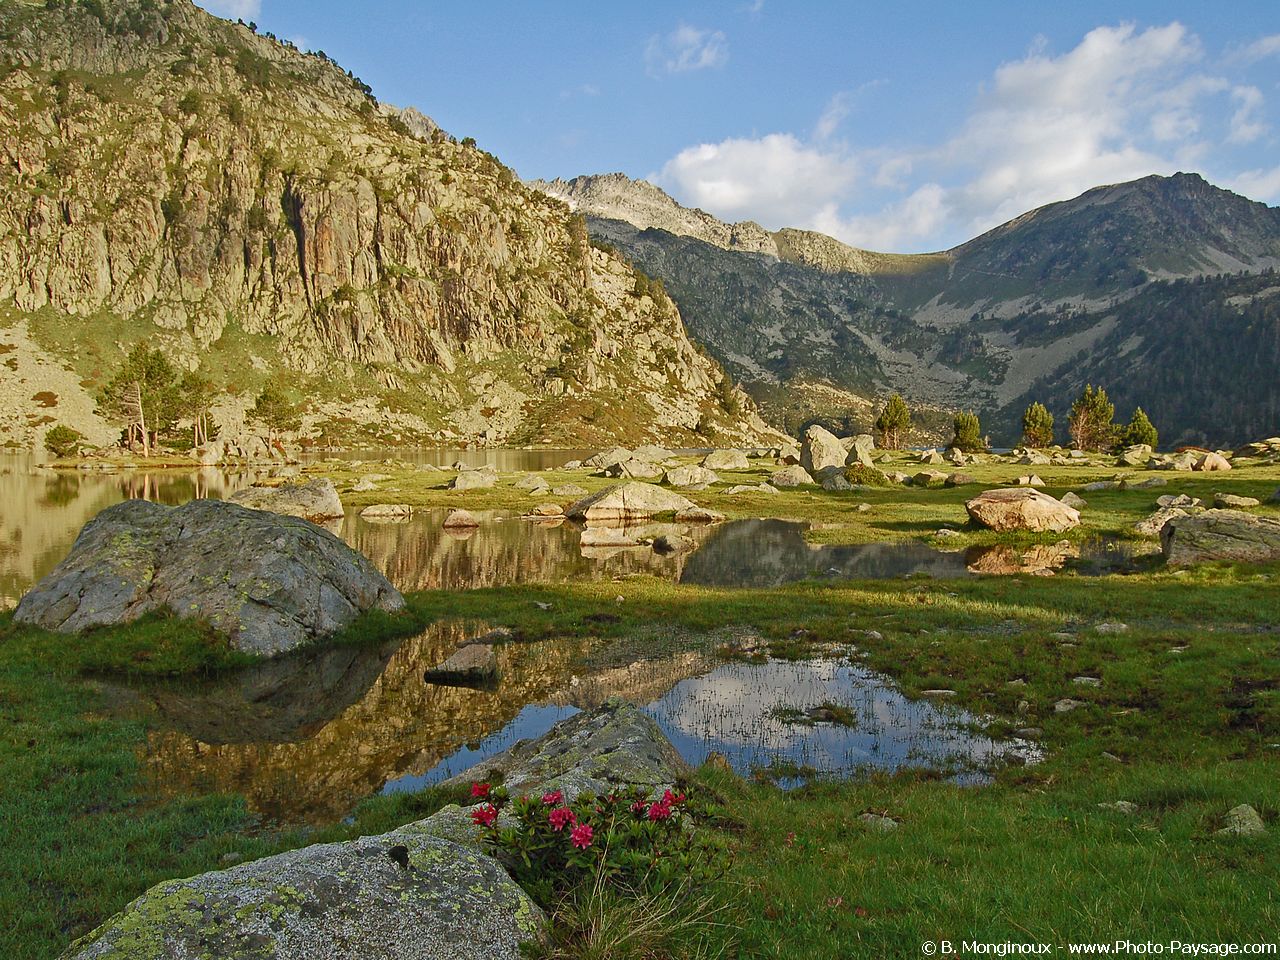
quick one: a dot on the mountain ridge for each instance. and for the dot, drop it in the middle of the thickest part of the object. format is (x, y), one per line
(976, 326)
(255, 212)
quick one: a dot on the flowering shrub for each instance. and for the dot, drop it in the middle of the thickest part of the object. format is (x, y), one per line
(627, 838)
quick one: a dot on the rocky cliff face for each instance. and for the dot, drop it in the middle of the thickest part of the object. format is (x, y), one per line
(174, 177)
(1095, 289)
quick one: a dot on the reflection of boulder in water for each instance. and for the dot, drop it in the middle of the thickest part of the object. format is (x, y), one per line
(398, 725)
(420, 555)
(763, 553)
(1026, 558)
(281, 700)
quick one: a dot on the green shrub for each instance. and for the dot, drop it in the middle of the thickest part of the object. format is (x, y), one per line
(860, 475)
(62, 441)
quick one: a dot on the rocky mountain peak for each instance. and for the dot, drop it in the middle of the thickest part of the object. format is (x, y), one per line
(256, 213)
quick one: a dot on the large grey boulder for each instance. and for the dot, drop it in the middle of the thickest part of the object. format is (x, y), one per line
(1023, 508)
(481, 479)
(615, 745)
(636, 469)
(607, 458)
(1153, 525)
(1220, 535)
(315, 500)
(270, 582)
(793, 476)
(726, 460)
(820, 448)
(691, 477)
(403, 895)
(860, 450)
(627, 501)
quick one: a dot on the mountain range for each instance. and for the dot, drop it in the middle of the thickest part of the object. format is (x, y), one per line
(1162, 290)
(251, 210)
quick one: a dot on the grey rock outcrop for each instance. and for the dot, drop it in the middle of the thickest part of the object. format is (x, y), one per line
(615, 745)
(1153, 525)
(314, 500)
(726, 460)
(1231, 535)
(627, 501)
(691, 477)
(403, 895)
(793, 476)
(269, 582)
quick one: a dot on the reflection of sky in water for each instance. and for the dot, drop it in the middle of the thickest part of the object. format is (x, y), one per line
(531, 722)
(730, 711)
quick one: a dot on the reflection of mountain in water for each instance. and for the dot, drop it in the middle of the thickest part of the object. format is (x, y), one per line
(306, 737)
(420, 555)
(765, 553)
(44, 511)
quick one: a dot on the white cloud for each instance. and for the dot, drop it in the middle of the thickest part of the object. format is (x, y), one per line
(833, 115)
(1122, 104)
(234, 9)
(775, 179)
(1245, 126)
(684, 49)
(1258, 184)
(1260, 49)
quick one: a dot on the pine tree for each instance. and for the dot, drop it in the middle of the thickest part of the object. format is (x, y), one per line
(273, 410)
(894, 423)
(1140, 429)
(968, 432)
(1091, 420)
(143, 395)
(1037, 426)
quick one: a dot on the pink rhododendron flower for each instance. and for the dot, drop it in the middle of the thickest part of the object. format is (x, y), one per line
(552, 798)
(561, 817)
(480, 789)
(484, 816)
(581, 836)
(659, 811)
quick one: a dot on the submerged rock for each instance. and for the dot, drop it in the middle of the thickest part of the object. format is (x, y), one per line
(1231, 535)
(315, 500)
(403, 895)
(1024, 508)
(474, 663)
(270, 582)
(460, 519)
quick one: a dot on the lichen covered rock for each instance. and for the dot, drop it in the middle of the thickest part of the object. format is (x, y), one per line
(1231, 535)
(270, 582)
(404, 895)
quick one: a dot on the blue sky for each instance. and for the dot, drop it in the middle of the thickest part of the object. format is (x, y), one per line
(903, 126)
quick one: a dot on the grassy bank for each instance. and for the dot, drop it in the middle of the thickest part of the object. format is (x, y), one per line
(895, 512)
(1183, 723)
